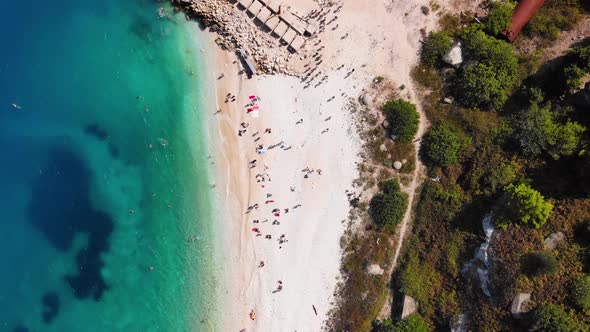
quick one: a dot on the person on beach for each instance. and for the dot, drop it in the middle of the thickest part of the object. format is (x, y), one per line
(261, 264)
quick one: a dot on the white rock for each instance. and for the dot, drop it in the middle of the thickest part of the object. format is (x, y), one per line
(397, 165)
(375, 269)
(455, 56)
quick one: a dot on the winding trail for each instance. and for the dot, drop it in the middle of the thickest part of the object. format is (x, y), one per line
(417, 178)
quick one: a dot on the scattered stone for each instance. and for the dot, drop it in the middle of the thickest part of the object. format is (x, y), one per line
(404, 161)
(397, 165)
(519, 302)
(425, 10)
(386, 124)
(552, 240)
(382, 147)
(448, 100)
(409, 307)
(375, 269)
(365, 100)
(455, 56)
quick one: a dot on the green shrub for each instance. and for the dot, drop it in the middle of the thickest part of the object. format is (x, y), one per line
(488, 82)
(573, 77)
(481, 85)
(537, 264)
(443, 144)
(552, 318)
(522, 204)
(419, 280)
(553, 17)
(388, 207)
(434, 47)
(535, 131)
(500, 16)
(403, 119)
(412, 323)
(581, 293)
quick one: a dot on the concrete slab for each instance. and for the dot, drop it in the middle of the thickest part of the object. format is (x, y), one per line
(264, 14)
(255, 7)
(274, 5)
(272, 22)
(293, 21)
(245, 3)
(289, 36)
(281, 29)
(297, 43)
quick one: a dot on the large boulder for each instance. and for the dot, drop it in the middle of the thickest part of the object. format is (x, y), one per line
(409, 307)
(375, 269)
(455, 56)
(518, 305)
(552, 240)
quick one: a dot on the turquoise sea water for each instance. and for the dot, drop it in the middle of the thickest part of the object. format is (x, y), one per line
(110, 121)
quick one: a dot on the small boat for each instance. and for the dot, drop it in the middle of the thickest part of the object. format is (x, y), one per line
(16, 107)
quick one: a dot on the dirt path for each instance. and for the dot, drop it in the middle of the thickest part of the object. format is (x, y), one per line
(417, 177)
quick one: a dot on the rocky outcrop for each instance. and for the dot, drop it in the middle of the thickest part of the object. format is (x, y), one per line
(409, 307)
(552, 240)
(455, 56)
(237, 31)
(519, 306)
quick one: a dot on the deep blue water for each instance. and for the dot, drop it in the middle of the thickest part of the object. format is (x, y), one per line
(103, 170)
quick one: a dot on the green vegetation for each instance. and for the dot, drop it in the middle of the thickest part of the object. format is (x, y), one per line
(388, 207)
(435, 46)
(522, 127)
(412, 323)
(489, 81)
(403, 119)
(522, 204)
(535, 131)
(581, 293)
(551, 318)
(552, 18)
(443, 144)
(500, 16)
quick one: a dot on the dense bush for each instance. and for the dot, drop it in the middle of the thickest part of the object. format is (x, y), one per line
(420, 281)
(552, 318)
(442, 145)
(489, 81)
(500, 16)
(403, 119)
(537, 264)
(522, 204)
(412, 323)
(576, 68)
(388, 207)
(553, 17)
(434, 47)
(581, 293)
(535, 131)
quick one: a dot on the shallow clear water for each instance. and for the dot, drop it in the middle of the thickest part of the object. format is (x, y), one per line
(110, 122)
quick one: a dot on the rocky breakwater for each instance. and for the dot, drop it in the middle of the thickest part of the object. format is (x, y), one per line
(238, 31)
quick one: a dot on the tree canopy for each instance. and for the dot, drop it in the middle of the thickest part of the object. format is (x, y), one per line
(500, 16)
(551, 318)
(521, 204)
(490, 80)
(535, 131)
(403, 119)
(388, 207)
(443, 144)
(412, 323)
(435, 46)
(581, 293)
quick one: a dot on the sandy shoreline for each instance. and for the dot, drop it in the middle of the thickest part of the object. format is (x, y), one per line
(359, 46)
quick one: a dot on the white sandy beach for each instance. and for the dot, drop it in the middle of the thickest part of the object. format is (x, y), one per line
(382, 39)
